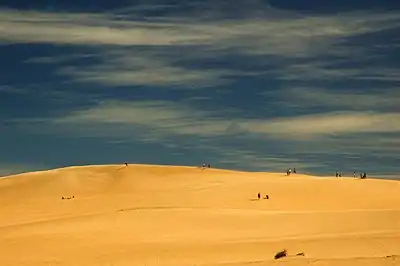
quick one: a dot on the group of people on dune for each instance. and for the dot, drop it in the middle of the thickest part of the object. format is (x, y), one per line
(205, 165)
(362, 175)
(259, 196)
(338, 174)
(289, 171)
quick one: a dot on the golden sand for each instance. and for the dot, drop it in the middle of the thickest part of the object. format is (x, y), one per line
(172, 215)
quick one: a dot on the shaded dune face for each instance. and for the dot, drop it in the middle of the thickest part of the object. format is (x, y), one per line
(172, 215)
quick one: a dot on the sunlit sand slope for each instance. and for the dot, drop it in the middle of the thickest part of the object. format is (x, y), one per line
(171, 215)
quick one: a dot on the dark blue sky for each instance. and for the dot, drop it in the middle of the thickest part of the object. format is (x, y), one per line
(252, 85)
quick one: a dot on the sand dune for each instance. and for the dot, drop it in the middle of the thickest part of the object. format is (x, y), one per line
(172, 215)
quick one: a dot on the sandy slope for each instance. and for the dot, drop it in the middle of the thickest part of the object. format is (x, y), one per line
(159, 215)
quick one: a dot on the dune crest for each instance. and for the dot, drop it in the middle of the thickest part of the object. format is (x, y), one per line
(175, 215)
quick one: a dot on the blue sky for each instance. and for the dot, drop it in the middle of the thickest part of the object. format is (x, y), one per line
(251, 85)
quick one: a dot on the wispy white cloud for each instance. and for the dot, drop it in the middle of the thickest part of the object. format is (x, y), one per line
(275, 33)
(166, 118)
(327, 124)
(267, 35)
(343, 99)
(159, 117)
(127, 67)
(325, 70)
(87, 29)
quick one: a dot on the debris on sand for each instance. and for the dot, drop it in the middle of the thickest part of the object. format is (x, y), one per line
(73, 197)
(281, 254)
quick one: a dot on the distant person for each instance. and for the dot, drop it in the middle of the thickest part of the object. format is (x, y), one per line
(337, 174)
(126, 164)
(340, 174)
(209, 165)
(294, 170)
(266, 196)
(364, 175)
(258, 195)
(354, 174)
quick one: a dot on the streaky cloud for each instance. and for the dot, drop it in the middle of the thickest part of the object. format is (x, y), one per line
(175, 119)
(144, 52)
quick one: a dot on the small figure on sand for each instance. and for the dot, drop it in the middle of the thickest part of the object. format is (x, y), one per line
(266, 196)
(126, 164)
(354, 174)
(258, 195)
(289, 171)
(363, 176)
(294, 170)
(205, 165)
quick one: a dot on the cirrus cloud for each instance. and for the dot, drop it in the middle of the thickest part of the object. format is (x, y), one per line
(152, 51)
(166, 118)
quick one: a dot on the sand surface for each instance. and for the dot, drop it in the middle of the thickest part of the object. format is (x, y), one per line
(169, 215)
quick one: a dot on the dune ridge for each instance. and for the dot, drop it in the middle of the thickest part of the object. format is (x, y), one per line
(182, 215)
